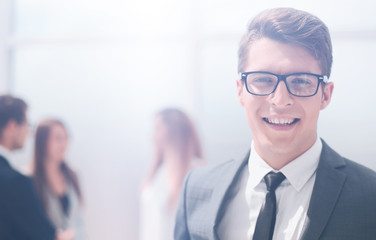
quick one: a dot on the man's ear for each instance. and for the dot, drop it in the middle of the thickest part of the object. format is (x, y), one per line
(9, 128)
(239, 88)
(327, 95)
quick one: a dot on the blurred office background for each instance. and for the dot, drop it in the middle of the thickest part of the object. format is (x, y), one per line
(106, 66)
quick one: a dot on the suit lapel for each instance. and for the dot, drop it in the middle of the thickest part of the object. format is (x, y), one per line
(221, 194)
(4, 163)
(328, 186)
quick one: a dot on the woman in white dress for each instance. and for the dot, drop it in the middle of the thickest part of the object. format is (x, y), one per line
(177, 150)
(56, 183)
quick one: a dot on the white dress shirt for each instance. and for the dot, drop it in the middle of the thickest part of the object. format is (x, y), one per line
(156, 220)
(293, 197)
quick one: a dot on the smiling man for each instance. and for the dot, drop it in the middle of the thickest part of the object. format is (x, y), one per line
(291, 185)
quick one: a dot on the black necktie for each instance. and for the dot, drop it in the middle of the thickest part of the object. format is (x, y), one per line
(266, 219)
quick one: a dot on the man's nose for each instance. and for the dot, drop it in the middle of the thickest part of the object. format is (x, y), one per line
(281, 96)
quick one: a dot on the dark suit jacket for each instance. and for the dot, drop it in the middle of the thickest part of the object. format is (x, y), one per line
(21, 214)
(342, 206)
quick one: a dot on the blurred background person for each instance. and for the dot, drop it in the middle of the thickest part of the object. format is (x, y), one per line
(21, 215)
(177, 151)
(56, 183)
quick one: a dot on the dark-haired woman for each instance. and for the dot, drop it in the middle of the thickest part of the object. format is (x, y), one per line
(56, 183)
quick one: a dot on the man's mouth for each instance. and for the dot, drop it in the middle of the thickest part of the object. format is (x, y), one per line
(281, 121)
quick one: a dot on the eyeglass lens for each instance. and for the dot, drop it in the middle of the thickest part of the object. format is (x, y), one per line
(297, 84)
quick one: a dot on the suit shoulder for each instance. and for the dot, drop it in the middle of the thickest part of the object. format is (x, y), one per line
(359, 171)
(212, 174)
(13, 182)
(8, 174)
(355, 172)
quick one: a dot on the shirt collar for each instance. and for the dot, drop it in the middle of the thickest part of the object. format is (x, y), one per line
(297, 172)
(257, 168)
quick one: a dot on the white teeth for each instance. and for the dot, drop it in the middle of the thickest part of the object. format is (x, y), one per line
(280, 121)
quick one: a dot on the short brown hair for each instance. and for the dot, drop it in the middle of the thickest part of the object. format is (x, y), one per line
(291, 26)
(11, 108)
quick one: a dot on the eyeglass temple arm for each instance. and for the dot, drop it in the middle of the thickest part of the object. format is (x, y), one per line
(325, 79)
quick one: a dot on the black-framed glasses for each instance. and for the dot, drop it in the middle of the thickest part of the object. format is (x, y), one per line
(298, 84)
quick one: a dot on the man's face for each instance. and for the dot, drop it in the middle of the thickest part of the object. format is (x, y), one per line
(19, 136)
(280, 122)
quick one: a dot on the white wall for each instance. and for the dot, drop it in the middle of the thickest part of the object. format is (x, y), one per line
(106, 67)
(5, 25)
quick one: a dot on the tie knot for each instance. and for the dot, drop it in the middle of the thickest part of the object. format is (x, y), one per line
(272, 180)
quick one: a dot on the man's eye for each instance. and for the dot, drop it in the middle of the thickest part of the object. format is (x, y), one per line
(262, 80)
(301, 81)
